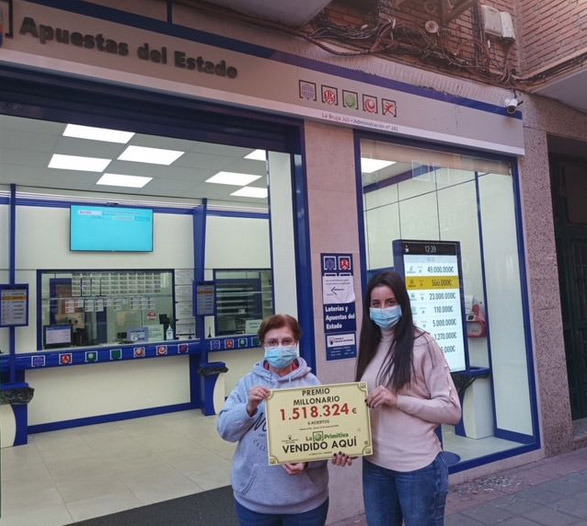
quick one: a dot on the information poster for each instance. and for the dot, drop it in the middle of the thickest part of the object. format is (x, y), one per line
(14, 305)
(338, 299)
(432, 271)
(205, 298)
(314, 422)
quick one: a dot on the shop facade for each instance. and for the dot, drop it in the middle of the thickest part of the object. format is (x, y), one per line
(451, 165)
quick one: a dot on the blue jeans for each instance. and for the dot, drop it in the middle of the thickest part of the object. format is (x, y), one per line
(315, 517)
(415, 497)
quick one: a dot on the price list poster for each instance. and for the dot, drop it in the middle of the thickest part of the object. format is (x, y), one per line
(432, 272)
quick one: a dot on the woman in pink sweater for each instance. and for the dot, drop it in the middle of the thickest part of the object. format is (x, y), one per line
(405, 481)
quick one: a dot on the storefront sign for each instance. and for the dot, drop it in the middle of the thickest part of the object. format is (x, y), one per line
(338, 298)
(432, 271)
(313, 423)
(220, 69)
(14, 305)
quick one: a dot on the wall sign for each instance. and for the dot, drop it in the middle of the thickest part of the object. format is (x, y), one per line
(196, 65)
(14, 305)
(338, 299)
(432, 271)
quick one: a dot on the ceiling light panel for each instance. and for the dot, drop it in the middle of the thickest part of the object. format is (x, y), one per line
(251, 191)
(97, 134)
(129, 181)
(369, 166)
(232, 178)
(257, 155)
(76, 162)
(143, 154)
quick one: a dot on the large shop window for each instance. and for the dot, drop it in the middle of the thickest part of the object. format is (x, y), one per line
(416, 194)
(113, 227)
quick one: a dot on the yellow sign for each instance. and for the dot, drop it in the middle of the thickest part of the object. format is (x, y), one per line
(432, 282)
(313, 423)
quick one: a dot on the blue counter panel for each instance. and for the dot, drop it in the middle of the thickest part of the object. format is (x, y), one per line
(92, 355)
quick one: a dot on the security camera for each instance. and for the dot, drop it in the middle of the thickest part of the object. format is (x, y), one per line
(511, 105)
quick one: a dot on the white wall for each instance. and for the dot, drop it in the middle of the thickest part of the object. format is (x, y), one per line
(237, 243)
(64, 393)
(239, 363)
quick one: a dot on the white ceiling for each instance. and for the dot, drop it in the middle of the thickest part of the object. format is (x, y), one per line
(570, 90)
(26, 147)
(287, 12)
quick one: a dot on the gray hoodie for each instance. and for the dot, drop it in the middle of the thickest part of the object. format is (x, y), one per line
(258, 486)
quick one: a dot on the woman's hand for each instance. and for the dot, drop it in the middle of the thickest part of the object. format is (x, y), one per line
(295, 469)
(340, 459)
(256, 396)
(382, 396)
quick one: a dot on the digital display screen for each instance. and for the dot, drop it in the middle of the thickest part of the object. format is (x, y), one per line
(57, 336)
(111, 229)
(434, 283)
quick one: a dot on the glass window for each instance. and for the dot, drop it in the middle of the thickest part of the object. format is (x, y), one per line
(82, 308)
(421, 194)
(243, 299)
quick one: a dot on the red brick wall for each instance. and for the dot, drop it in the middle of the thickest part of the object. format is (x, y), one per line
(551, 30)
(458, 48)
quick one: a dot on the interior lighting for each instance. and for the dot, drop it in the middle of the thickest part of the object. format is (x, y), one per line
(233, 178)
(368, 166)
(257, 155)
(251, 191)
(144, 154)
(130, 181)
(97, 134)
(76, 162)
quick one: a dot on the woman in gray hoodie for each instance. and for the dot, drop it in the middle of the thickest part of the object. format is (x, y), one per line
(288, 495)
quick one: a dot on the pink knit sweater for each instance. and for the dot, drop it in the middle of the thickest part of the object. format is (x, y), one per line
(404, 437)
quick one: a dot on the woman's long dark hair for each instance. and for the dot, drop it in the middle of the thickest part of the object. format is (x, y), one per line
(399, 356)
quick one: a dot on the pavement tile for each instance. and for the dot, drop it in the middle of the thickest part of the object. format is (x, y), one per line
(514, 504)
(518, 521)
(566, 486)
(461, 520)
(540, 494)
(550, 517)
(576, 506)
(488, 514)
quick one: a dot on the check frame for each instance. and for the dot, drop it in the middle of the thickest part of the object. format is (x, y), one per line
(320, 420)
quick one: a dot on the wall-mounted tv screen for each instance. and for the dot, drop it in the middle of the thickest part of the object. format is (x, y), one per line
(111, 229)
(55, 336)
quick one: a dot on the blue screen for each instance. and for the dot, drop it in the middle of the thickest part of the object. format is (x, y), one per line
(111, 229)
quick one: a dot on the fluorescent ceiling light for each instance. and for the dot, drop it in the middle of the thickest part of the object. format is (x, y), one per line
(369, 166)
(97, 134)
(75, 162)
(257, 155)
(251, 191)
(143, 154)
(130, 181)
(233, 178)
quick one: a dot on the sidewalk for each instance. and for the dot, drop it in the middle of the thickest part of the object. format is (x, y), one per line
(550, 492)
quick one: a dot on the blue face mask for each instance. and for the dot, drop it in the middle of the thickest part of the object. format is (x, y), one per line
(280, 357)
(386, 318)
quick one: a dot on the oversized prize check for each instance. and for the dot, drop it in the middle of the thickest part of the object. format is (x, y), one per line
(314, 422)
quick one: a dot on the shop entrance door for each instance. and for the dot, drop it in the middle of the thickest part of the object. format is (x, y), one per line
(569, 188)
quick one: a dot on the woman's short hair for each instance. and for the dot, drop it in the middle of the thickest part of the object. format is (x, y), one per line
(277, 321)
